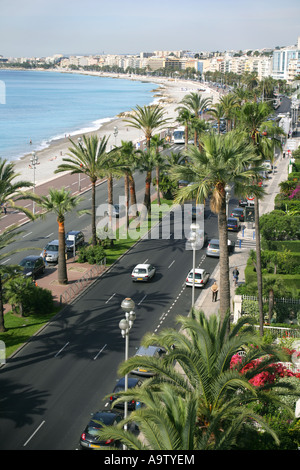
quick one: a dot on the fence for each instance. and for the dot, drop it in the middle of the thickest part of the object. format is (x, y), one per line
(282, 300)
(78, 286)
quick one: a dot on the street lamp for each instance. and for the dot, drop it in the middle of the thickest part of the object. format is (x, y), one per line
(79, 182)
(125, 326)
(227, 190)
(34, 161)
(194, 239)
(116, 131)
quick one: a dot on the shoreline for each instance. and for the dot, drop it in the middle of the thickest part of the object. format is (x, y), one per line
(168, 95)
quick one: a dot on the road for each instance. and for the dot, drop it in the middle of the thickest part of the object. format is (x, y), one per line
(49, 389)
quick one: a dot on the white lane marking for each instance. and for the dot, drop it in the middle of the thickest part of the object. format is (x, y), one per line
(171, 264)
(100, 352)
(43, 422)
(110, 298)
(142, 300)
(26, 235)
(61, 349)
(49, 235)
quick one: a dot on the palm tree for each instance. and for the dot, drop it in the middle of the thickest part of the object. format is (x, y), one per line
(224, 160)
(253, 118)
(148, 119)
(87, 158)
(229, 104)
(59, 201)
(146, 163)
(217, 112)
(10, 189)
(185, 118)
(158, 143)
(202, 402)
(196, 105)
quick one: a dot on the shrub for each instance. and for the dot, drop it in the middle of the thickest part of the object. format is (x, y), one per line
(91, 254)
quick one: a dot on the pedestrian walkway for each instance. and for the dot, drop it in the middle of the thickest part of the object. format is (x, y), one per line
(246, 238)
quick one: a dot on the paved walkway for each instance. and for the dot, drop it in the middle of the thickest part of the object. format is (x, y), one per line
(246, 237)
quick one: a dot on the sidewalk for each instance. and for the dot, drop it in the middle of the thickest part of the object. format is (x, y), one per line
(246, 238)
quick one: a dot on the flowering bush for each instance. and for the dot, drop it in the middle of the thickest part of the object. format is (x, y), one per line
(278, 371)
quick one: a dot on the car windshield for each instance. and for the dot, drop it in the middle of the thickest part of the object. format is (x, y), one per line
(213, 245)
(140, 271)
(52, 247)
(27, 263)
(197, 275)
(231, 221)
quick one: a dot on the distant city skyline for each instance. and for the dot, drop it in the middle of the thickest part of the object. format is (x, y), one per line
(38, 28)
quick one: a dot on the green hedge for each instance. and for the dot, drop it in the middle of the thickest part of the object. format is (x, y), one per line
(286, 204)
(281, 245)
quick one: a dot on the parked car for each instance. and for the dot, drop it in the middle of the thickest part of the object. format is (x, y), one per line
(233, 224)
(150, 351)
(268, 165)
(120, 387)
(239, 213)
(32, 266)
(213, 248)
(201, 277)
(74, 235)
(143, 272)
(90, 439)
(51, 252)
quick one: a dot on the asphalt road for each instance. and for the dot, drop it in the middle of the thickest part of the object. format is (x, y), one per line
(49, 389)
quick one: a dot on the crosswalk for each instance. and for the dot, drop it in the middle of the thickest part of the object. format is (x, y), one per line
(245, 243)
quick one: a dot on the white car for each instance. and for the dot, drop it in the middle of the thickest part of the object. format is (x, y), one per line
(201, 277)
(143, 272)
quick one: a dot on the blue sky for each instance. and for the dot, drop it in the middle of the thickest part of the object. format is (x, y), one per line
(45, 27)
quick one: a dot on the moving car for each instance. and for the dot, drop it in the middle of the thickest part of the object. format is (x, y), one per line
(213, 248)
(201, 277)
(74, 236)
(233, 224)
(90, 439)
(143, 272)
(33, 266)
(238, 212)
(51, 254)
(150, 351)
(120, 387)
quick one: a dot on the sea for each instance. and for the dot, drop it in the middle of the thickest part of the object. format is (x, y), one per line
(39, 107)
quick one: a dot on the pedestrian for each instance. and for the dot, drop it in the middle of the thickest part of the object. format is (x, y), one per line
(44, 256)
(235, 274)
(214, 289)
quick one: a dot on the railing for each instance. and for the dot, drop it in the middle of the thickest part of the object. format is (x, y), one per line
(78, 286)
(282, 300)
(280, 331)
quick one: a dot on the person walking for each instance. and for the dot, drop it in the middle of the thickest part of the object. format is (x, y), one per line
(235, 274)
(214, 289)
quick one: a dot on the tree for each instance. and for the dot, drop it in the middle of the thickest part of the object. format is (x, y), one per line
(196, 105)
(203, 402)
(87, 158)
(59, 201)
(158, 143)
(224, 160)
(146, 163)
(229, 104)
(185, 118)
(253, 118)
(217, 112)
(148, 119)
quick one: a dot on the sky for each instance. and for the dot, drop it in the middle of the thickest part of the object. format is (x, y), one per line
(39, 28)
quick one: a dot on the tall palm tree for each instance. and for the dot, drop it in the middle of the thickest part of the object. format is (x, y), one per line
(185, 118)
(146, 163)
(10, 190)
(217, 111)
(224, 160)
(60, 201)
(87, 158)
(229, 104)
(158, 143)
(148, 119)
(196, 105)
(253, 118)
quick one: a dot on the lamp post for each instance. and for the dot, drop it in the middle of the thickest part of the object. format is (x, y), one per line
(193, 239)
(34, 161)
(116, 130)
(79, 182)
(227, 190)
(125, 325)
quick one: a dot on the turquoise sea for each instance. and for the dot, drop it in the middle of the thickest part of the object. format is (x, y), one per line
(42, 106)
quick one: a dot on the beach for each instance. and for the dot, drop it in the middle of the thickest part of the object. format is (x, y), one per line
(166, 92)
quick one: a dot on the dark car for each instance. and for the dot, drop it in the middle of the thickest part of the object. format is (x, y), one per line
(120, 387)
(74, 235)
(32, 266)
(90, 439)
(238, 212)
(233, 224)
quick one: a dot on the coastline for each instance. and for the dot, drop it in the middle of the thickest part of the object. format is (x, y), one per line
(168, 95)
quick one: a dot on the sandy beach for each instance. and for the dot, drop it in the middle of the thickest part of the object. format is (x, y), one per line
(167, 93)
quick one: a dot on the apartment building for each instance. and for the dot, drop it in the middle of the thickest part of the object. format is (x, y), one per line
(286, 62)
